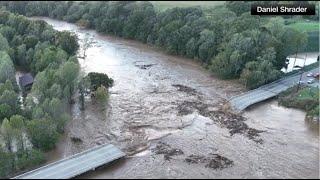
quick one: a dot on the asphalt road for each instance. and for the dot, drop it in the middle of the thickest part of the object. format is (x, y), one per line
(242, 101)
(76, 164)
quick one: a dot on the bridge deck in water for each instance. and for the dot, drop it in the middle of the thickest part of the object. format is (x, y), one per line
(77, 164)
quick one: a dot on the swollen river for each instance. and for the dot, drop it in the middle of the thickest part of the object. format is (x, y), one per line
(153, 109)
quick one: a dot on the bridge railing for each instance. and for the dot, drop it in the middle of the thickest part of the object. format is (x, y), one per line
(60, 161)
(266, 85)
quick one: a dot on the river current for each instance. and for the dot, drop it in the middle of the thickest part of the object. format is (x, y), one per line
(144, 112)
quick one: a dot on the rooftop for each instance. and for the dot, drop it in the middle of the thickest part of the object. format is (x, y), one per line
(26, 80)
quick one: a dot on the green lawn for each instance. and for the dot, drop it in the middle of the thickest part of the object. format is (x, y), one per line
(305, 26)
(307, 98)
(308, 93)
(163, 5)
(311, 28)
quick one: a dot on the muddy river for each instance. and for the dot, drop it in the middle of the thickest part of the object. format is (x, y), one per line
(166, 113)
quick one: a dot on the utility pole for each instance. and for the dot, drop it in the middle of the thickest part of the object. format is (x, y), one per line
(302, 71)
(295, 59)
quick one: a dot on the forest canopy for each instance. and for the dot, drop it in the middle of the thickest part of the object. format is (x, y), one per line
(30, 127)
(226, 40)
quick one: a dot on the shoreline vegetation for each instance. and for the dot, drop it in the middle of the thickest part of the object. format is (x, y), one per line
(32, 128)
(306, 98)
(225, 38)
(230, 42)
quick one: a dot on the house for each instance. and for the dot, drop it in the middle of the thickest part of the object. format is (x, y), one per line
(26, 82)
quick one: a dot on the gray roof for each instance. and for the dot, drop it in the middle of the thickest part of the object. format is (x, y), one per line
(26, 80)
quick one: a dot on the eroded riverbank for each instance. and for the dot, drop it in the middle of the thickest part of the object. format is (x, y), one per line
(167, 112)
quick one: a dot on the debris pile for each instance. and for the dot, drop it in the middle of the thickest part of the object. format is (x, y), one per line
(167, 150)
(234, 122)
(185, 89)
(213, 161)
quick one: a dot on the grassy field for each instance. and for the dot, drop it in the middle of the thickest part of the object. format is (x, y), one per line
(308, 93)
(311, 28)
(305, 26)
(163, 5)
(306, 98)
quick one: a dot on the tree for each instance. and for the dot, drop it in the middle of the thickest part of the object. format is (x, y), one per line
(60, 11)
(276, 28)
(4, 46)
(48, 35)
(238, 7)
(49, 56)
(192, 48)
(7, 134)
(227, 64)
(87, 42)
(18, 128)
(21, 56)
(7, 70)
(68, 74)
(6, 86)
(246, 22)
(140, 21)
(207, 45)
(10, 98)
(101, 95)
(40, 86)
(54, 110)
(5, 111)
(61, 121)
(43, 134)
(55, 91)
(8, 33)
(99, 79)
(83, 86)
(67, 41)
(257, 73)
(6, 163)
(53, 107)
(31, 41)
(29, 158)
(74, 13)
(294, 42)
(37, 112)
(16, 40)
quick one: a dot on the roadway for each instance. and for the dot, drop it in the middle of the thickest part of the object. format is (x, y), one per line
(77, 164)
(242, 101)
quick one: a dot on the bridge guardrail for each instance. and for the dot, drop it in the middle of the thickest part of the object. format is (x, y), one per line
(263, 86)
(62, 160)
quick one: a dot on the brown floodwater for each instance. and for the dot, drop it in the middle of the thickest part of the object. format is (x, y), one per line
(144, 109)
